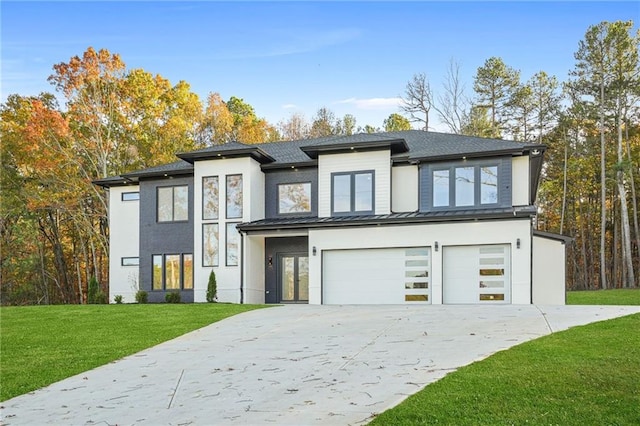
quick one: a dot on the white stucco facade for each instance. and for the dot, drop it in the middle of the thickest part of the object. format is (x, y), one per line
(124, 219)
(520, 181)
(404, 188)
(228, 277)
(426, 235)
(548, 271)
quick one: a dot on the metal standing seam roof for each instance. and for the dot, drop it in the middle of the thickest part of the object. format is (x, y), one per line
(387, 219)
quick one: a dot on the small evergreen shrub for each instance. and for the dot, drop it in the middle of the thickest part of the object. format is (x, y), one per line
(118, 299)
(212, 288)
(92, 291)
(142, 296)
(101, 298)
(172, 297)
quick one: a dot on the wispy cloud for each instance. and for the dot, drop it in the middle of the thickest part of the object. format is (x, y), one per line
(372, 103)
(293, 42)
(289, 106)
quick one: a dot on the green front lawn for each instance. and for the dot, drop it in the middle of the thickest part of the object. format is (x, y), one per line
(588, 375)
(618, 296)
(40, 345)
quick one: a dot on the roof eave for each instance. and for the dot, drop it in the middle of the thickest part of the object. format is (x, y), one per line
(290, 165)
(256, 153)
(395, 145)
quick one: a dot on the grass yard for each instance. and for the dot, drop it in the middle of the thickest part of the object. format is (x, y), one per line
(618, 296)
(40, 345)
(588, 375)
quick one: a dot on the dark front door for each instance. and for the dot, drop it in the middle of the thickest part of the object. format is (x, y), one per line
(293, 277)
(286, 276)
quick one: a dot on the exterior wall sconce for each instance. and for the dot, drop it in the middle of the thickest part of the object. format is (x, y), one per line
(436, 246)
(314, 250)
(518, 243)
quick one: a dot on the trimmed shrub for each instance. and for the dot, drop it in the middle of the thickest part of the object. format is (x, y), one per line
(118, 299)
(212, 288)
(142, 296)
(172, 297)
(92, 291)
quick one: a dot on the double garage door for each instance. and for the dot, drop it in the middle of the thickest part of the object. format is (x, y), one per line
(471, 274)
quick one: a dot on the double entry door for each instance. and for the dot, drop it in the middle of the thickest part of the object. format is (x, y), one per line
(293, 277)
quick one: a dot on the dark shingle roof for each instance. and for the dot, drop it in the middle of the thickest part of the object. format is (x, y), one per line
(176, 168)
(409, 145)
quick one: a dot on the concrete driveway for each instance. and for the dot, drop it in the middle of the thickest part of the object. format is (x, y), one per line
(302, 365)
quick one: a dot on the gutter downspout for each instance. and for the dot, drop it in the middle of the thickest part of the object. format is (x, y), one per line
(241, 266)
(531, 259)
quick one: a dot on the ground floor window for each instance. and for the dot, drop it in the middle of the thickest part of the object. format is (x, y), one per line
(172, 271)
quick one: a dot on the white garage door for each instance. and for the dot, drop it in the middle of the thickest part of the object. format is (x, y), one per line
(376, 276)
(477, 274)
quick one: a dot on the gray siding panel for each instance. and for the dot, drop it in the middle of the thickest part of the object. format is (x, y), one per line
(162, 238)
(504, 182)
(275, 178)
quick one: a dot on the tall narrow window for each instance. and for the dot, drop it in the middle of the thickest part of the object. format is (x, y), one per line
(173, 203)
(187, 280)
(210, 244)
(234, 196)
(440, 188)
(233, 243)
(363, 192)
(157, 272)
(465, 186)
(341, 193)
(489, 185)
(172, 271)
(210, 186)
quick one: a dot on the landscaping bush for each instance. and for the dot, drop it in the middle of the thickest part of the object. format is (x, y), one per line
(92, 291)
(118, 299)
(212, 288)
(142, 296)
(172, 297)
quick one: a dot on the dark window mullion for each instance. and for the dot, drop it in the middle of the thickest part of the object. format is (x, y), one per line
(352, 181)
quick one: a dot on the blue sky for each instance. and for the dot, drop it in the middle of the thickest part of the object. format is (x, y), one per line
(284, 57)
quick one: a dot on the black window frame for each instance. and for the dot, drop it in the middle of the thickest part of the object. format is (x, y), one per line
(477, 171)
(163, 267)
(122, 261)
(352, 211)
(126, 199)
(173, 203)
(203, 199)
(226, 196)
(204, 225)
(305, 213)
(226, 244)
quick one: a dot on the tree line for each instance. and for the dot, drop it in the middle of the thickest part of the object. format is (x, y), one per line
(53, 220)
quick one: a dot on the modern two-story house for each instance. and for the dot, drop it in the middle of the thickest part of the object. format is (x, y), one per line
(399, 217)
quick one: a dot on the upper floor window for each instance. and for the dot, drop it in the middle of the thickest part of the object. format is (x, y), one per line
(352, 192)
(130, 196)
(210, 187)
(294, 198)
(173, 203)
(474, 185)
(234, 196)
